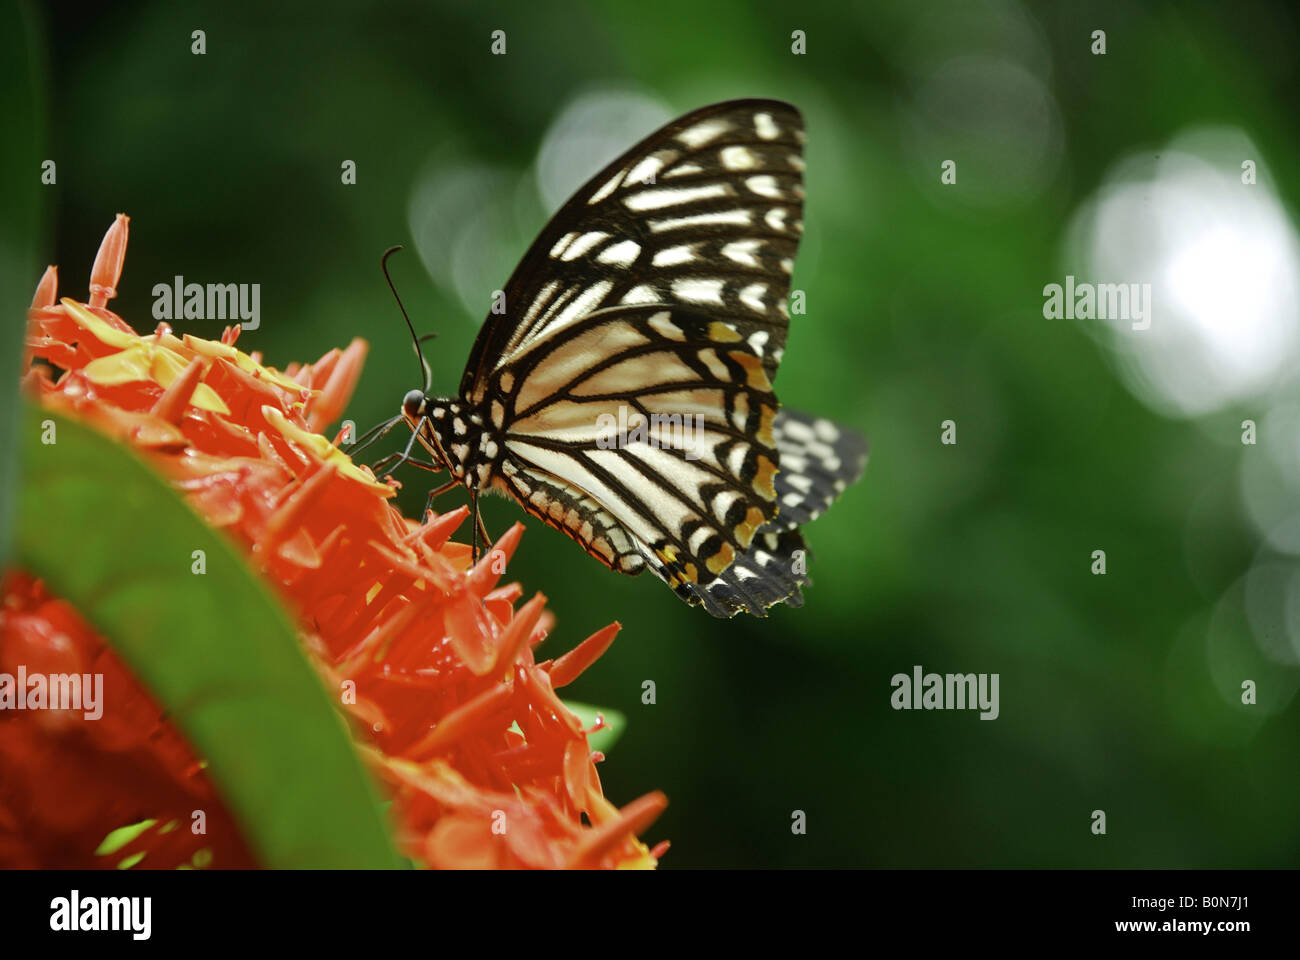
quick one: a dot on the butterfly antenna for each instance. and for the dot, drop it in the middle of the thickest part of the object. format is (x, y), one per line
(426, 371)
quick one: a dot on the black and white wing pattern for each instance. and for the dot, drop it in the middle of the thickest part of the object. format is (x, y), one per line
(705, 213)
(646, 433)
(627, 387)
(818, 460)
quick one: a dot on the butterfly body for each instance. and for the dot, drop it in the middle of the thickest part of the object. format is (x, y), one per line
(456, 437)
(657, 296)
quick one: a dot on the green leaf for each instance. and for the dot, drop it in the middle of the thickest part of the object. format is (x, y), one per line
(604, 739)
(24, 105)
(216, 649)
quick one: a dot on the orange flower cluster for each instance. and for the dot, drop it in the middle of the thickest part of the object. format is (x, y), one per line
(485, 764)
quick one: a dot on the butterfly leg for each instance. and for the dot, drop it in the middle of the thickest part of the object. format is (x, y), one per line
(428, 504)
(399, 459)
(426, 465)
(395, 459)
(480, 531)
(384, 463)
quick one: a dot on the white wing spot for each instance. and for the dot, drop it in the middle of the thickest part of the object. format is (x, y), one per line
(675, 256)
(704, 131)
(662, 324)
(736, 458)
(563, 242)
(765, 127)
(743, 252)
(607, 189)
(796, 430)
(752, 297)
(709, 357)
(685, 170)
(646, 171)
(738, 158)
(674, 196)
(697, 539)
(826, 430)
(734, 217)
(583, 244)
(696, 290)
(764, 185)
(776, 218)
(642, 294)
(620, 254)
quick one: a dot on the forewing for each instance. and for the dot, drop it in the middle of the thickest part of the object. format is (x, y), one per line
(704, 214)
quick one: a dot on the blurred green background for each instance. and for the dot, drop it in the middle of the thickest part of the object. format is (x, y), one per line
(925, 303)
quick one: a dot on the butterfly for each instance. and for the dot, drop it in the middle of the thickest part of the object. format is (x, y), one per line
(623, 392)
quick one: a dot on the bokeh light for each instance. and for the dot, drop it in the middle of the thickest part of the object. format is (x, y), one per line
(1223, 264)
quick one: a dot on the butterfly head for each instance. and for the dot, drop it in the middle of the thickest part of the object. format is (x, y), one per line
(414, 405)
(427, 418)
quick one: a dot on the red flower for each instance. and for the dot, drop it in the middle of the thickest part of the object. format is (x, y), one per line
(486, 765)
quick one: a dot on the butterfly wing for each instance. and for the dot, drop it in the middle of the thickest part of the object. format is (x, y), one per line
(659, 289)
(705, 214)
(645, 432)
(818, 460)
